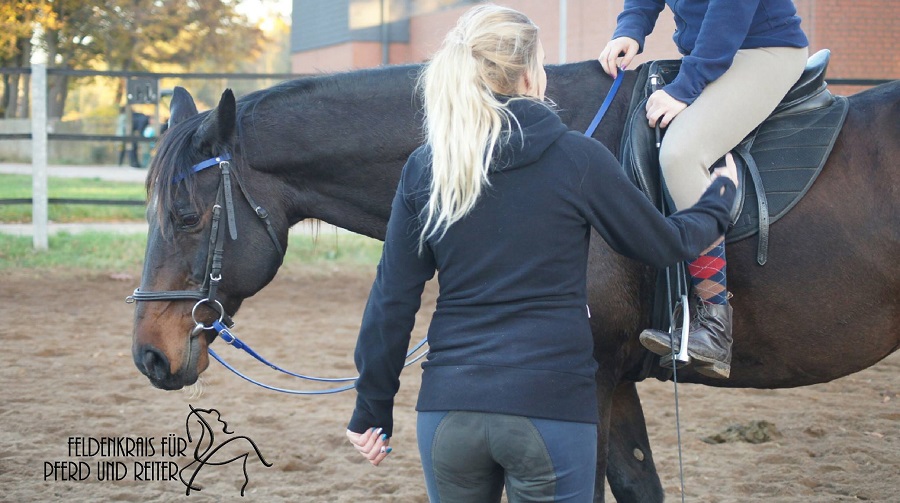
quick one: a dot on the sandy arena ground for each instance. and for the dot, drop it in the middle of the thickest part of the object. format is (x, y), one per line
(67, 372)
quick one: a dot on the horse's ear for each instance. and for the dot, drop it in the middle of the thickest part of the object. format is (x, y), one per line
(218, 126)
(182, 106)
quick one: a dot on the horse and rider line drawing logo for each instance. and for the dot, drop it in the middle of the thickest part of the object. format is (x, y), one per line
(207, 452)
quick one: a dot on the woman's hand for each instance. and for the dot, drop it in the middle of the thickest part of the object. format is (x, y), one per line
(618, 53)
(728, 171)
(373, 444)
(662, 108)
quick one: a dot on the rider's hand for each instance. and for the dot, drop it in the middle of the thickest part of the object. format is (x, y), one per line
(373, 444)
(728, 171)
(618, 53)
(663, 108)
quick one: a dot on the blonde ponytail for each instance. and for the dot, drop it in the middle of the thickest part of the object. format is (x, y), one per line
(484, 56)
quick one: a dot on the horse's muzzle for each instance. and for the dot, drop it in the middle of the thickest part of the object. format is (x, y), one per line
(154, 364)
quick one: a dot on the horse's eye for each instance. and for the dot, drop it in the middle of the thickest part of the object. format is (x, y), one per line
(190, 220)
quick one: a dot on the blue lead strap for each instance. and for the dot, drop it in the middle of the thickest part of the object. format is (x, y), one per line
(273, 388)
(232, 340)
(605, 106)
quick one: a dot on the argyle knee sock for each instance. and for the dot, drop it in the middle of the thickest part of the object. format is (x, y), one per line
(708, 275)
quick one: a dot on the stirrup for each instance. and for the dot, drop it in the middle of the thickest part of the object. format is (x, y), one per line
(682, 358)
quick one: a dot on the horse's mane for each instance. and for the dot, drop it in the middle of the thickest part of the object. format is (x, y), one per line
(172, 161)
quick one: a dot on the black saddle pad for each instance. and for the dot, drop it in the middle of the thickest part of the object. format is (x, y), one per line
(789, 150)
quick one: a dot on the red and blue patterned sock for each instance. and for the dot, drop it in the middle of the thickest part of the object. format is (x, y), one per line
(708, 275)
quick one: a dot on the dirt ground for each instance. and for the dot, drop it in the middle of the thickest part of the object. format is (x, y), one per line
(67, 374)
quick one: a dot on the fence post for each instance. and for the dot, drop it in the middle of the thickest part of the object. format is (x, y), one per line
(39, 213)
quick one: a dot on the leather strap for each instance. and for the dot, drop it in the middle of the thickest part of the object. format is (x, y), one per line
(762, 248)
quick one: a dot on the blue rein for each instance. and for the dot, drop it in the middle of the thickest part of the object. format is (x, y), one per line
(589, 132)
(230, 339)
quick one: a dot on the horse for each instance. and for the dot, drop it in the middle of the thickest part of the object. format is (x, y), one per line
(331, 148)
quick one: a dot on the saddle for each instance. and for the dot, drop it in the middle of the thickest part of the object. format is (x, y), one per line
(777, 162)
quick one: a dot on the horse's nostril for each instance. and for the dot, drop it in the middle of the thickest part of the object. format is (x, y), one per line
(155, 364)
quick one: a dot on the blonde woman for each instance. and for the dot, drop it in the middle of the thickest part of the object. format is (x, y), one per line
(501, 200)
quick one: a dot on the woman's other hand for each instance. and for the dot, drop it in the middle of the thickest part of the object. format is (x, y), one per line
(662, 108)
(728, 171)
(618, 53)
(373, 444)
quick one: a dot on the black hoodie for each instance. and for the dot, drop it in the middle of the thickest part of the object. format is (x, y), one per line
(510, 333)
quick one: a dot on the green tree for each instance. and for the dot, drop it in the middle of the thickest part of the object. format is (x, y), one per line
(141, 35)
(127, 35)
(66, 36)
(18, 19)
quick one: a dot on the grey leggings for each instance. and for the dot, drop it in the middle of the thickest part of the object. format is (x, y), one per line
(725, 112)
(468, 457)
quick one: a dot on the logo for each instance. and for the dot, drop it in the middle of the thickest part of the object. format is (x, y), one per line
(211, 450)
(205, 423)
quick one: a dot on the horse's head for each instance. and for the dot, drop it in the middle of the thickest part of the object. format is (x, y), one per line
(217, 232)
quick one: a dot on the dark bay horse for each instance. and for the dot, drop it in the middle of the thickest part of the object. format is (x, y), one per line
(826, 304)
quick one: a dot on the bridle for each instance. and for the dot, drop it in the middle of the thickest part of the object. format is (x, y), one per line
(213, 276)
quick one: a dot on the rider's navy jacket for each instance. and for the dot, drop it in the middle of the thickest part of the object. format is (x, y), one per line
(510, 333)
(710, 32)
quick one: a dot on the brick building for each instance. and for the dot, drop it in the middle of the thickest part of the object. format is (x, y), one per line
(338, 35)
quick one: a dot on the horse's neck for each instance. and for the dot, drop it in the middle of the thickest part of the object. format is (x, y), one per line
(579, 89)
(340, 148)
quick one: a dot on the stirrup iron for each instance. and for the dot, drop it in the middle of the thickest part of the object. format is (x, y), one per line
(682, 358)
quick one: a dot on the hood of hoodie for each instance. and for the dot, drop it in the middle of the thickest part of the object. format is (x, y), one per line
(538, 128)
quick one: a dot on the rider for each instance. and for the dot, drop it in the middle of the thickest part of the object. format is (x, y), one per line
(740, 58)
(500, 200)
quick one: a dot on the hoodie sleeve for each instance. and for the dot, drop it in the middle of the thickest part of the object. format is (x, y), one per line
(723, 30)
(632, 226)
(389, 316)
(638, 19)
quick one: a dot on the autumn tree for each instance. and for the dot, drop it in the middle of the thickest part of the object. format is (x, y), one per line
(126, 35)
(18, 19)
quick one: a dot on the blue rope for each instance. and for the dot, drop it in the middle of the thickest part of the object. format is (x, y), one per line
(232, 340)
(589, 132)
(273, 388)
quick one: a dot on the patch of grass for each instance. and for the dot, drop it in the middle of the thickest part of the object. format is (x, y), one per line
(343, 249)
(99, 251)
(93, 251)
(19, 186)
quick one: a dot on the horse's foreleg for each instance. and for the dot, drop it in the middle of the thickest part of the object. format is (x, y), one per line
(630, 469)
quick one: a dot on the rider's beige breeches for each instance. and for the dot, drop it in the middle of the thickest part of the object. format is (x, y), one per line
(725, 112)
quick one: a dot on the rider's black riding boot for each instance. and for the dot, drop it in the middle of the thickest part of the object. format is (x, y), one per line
(709, 342)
